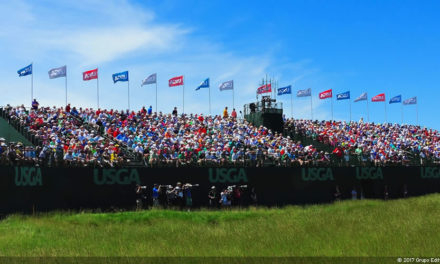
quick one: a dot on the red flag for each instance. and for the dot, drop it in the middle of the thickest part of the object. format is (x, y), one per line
(176, 81)
(378, 98)
(326, 94)
(267, 88)
(90, 75)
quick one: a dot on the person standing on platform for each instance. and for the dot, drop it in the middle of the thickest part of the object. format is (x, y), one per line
(234, 114)
(225, 112)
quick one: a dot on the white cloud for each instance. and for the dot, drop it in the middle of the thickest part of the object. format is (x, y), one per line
(116, 35)
(97, 46)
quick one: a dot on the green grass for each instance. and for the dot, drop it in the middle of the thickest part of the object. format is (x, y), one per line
(409, 227)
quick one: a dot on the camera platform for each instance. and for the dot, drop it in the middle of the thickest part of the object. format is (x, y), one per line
(267, 113)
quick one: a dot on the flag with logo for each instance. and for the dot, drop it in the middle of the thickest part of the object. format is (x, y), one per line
(343, 96)
(57, 72)
(90, 75)
(362, 97)
(175, 81)
(410, 101)
(120, 77)
(378, 98)
(25, 71)
(150, 79)
(285, 90)
(228, 85)
(396, 99)
(267, 88)
(204, 84)
(304, 93)
(326, 94)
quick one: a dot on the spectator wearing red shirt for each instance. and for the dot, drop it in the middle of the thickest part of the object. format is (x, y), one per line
(234, 114)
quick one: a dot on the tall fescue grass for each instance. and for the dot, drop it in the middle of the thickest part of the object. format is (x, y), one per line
(409, 227)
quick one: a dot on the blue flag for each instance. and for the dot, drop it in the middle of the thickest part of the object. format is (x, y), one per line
(120, 77)
(285, 90)
(229, 85)
(25, 71)
(204, 84)
(150, 79)
(304, 93)
(343, 96)
(362, 97)
(410, 101)
(396, 99)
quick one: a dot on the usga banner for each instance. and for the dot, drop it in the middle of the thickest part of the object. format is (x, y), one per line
(176, 81)
(267, 88)
(90, 75)
(378, 98)
(326, 94)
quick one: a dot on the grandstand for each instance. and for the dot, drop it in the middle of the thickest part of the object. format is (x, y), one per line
(87, 137)
(79, 158)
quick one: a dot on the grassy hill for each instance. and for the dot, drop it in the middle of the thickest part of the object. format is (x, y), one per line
(409, 227)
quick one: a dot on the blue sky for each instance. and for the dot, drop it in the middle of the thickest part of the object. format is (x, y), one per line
(361, 46)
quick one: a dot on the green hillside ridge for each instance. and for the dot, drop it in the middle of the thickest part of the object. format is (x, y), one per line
(408, 227)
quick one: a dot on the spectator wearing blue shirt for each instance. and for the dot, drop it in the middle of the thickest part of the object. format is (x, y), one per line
(155, 195)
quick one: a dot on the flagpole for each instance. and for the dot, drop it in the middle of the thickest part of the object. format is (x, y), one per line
(183, 110)
(65, 77)
(368, 112)
(32, 83)
(128, 93)
(209, 94)
(156, 93)
(331, 98)
(232, 97)
(349, 103)
(291, 103)
(385, 105)
(97, 87)
(417, 112)
(311, 105)
(401, 112)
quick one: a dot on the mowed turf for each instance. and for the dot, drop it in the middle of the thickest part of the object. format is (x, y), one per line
(409, 227)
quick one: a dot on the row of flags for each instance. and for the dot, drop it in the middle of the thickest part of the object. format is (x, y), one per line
(123, 77)
(228, 85)
(344, 96)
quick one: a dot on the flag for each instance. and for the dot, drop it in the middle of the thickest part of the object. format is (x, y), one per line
(304, 93)
(90, 75)
(25, 71)
(362, 97)
(343, 96)
(396, 99)
(204, 84)
(120, 77)
(229, 85)
(150, 79)
(378, 98)
(285, 90)
(267, 88)
(410, 101)
(326, 94)
(57, 72)
(176, 81)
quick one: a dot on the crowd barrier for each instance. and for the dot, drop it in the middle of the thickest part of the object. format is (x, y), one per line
(35, 189)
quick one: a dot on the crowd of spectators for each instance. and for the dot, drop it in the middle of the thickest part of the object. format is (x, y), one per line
(157, 139)
(370, 143)
(87, 137)
(198, 140)
(63, 139)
